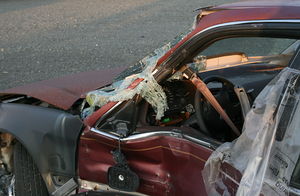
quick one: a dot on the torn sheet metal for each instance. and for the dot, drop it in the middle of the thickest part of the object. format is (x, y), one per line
(268, 149)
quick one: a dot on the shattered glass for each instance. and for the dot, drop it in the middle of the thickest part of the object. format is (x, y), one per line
(199, 63)
(266, 152)
(142, 64)
(149, 89)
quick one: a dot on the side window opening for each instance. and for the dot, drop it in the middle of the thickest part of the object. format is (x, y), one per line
(251, 46)
(244, 50)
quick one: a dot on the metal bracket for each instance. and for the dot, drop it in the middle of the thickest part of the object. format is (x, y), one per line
(65, 189)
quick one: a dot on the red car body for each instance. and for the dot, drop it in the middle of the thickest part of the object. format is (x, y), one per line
(166, 164)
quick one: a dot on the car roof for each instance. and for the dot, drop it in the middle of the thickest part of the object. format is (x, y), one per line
(260, 4)
(248, 11)
(238, 12)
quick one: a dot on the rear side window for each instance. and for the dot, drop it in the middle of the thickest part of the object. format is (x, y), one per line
(251, 46)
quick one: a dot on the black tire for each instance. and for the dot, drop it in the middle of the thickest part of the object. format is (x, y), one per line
(28, 180)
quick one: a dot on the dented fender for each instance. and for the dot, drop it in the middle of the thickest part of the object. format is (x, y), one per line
(49, 135)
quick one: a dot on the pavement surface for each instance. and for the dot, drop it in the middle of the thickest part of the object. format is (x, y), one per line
(42, 39)
(50, 38)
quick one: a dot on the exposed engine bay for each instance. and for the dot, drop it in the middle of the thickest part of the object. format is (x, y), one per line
(180, 104)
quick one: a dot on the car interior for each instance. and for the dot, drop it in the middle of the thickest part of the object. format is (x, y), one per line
(235, 78)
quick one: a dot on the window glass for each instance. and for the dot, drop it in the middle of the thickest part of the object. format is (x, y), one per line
(251, 46)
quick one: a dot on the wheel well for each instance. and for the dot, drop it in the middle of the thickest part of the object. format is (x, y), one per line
(7, 142)
(49, 135)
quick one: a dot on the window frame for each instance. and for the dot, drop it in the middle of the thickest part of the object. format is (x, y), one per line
(202, 40)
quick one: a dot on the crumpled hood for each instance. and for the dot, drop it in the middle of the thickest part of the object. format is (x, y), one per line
(65, 91)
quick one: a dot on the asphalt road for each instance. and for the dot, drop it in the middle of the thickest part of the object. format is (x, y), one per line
(50, 38)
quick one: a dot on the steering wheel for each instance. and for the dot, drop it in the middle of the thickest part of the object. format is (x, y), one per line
(206, 114)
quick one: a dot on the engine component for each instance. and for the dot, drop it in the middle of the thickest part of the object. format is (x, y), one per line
(179, 98)
(178, 93)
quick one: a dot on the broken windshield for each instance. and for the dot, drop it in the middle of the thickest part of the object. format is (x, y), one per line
(148, 88)
(148, 60)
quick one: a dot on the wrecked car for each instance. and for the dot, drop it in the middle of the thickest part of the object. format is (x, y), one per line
(214, 112)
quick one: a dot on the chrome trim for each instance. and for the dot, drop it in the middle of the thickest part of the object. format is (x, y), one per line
(105, 134)
(109, 111)
(245, 22)
(153, 134)
(95, 186)
(200, 142)
(13, 99)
